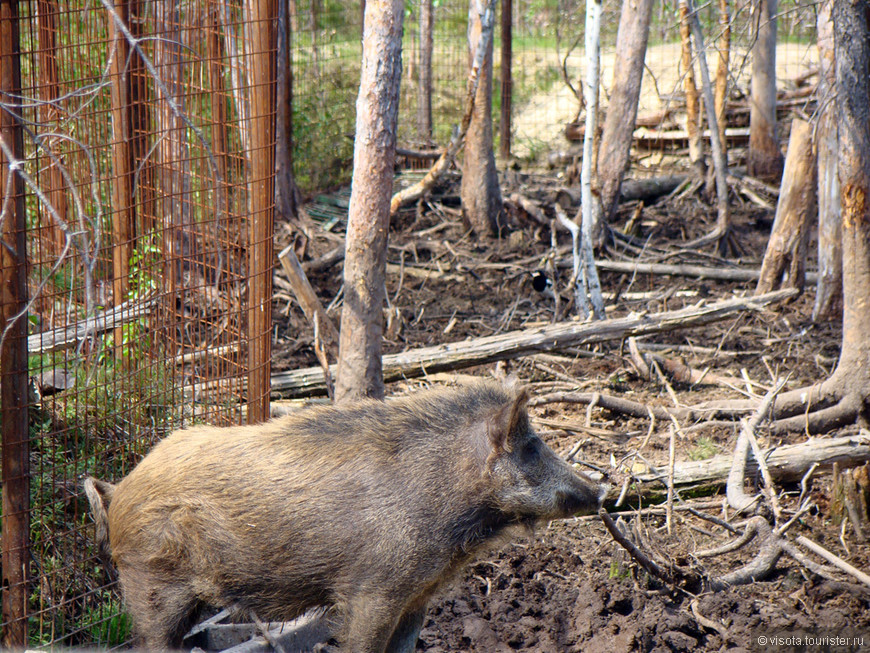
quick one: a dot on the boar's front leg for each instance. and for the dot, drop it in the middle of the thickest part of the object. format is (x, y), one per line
(162, 610)
(371, 618)
(404, 639)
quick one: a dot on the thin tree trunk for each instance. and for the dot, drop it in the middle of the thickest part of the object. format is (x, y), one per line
(507, 82)
(720, 94)
(49, 114)
(424, 91)
(591, 204)
(480, 192)
(723, 213)
(613, 155)
(789, 238)
(172, 151)
(829, 292)
(693, 104)
(287, 195)
(238, 75)
(123, 168)
(764, 158)
(359, 364)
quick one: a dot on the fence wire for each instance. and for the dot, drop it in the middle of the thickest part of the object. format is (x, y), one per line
(140, 147)
(138, 159)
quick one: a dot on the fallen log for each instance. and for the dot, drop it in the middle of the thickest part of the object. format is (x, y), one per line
(458, 355)
(106, 320)
(698, 271)
(786, 463)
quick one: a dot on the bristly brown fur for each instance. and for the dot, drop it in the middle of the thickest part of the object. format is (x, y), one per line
(367, 507)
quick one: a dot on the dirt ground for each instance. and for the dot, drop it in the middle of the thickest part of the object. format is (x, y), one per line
(570, 586)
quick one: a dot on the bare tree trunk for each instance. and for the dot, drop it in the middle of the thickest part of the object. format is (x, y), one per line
(50, 114)
(693, 105)
(789, 238)
(843, 397)
(829, 292)
(720, 167)
(123, 167)
(721, 92)
(480, 192)
(507, 81)
(615, 148)
(173, 157)
(424, 91)
(287, 195)
(590, 204)
(852, 45)
(764, 159)
(359, 363)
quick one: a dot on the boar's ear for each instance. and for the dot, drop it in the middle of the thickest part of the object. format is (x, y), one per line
(505, 421)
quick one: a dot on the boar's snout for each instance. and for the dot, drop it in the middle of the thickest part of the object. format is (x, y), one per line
(583, 496)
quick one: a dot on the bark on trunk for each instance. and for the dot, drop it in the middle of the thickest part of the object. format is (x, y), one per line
(359, 364)
(424, 91)
(829, 292)
(721, 92)
(613, 155)
(853, 137)
(693, 105)
(789, 239)
(480, 192)
(172, 151)
(764, 158)
(50, 115)
(720, 167)
(507, 82)
(287, 195)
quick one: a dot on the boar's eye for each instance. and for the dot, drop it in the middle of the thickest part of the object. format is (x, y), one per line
(530, 450)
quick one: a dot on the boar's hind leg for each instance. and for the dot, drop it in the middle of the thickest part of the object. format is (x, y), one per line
(404, 639)
(163, 611)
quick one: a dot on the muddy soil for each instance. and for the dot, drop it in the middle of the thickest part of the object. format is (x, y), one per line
(569, 586)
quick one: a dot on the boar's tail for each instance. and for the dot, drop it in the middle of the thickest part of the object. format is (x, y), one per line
(99, 495)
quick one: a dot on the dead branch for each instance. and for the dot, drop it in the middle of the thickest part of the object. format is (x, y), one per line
(668, 573)
(504, 346)
(308, 300)
(750, 531)
(737, 499)
(834, 560)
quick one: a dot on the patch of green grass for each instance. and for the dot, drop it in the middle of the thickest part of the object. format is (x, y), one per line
(703, 449)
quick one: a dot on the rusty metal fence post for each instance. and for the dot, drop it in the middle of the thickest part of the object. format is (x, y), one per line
(261, 200)
(13, 348)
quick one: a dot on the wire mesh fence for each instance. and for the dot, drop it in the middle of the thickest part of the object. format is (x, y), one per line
(147, 174)
(138, 193)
